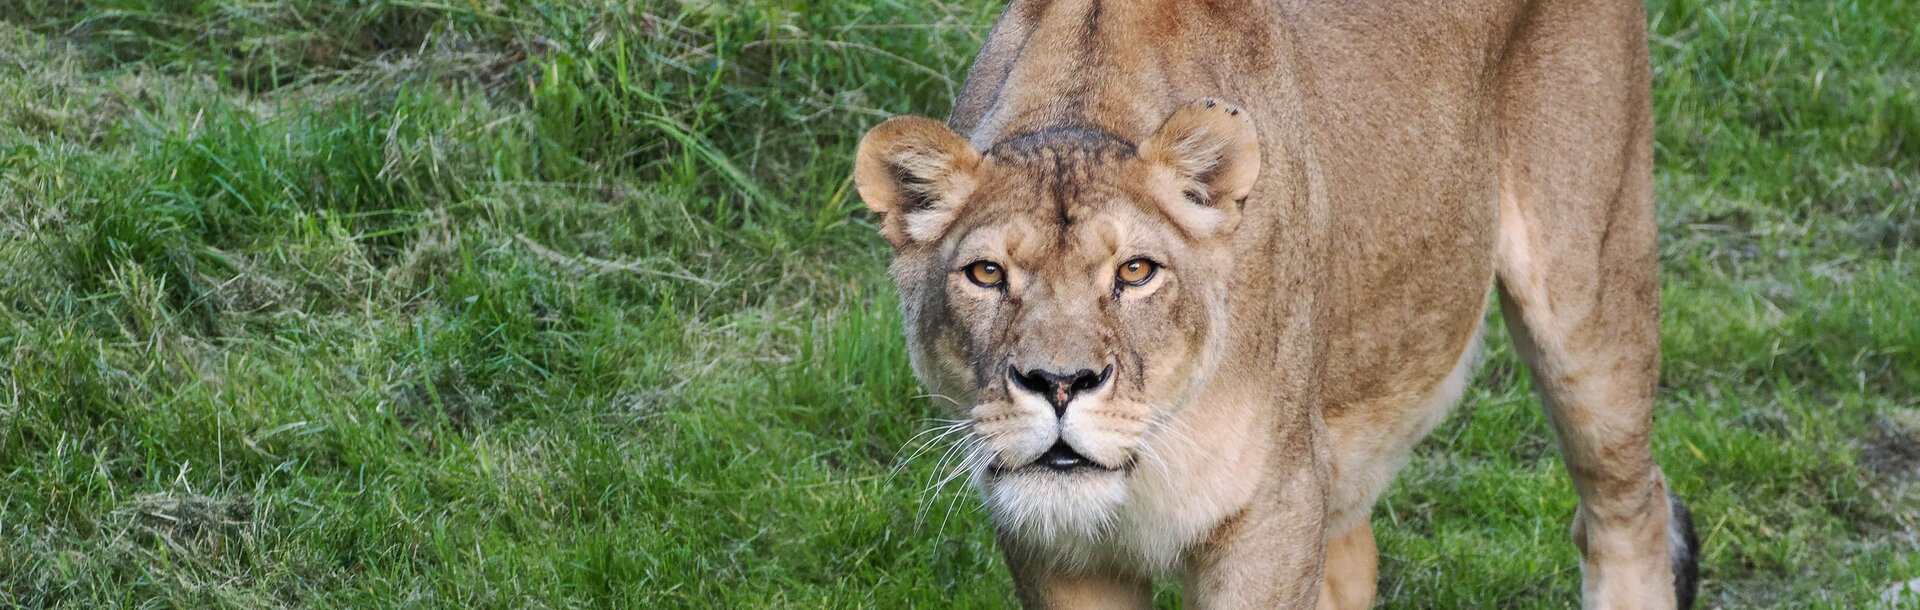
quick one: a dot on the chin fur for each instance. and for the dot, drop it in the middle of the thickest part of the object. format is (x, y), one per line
(1069, 516)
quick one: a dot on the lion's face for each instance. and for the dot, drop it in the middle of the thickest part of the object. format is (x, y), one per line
(1067, 290)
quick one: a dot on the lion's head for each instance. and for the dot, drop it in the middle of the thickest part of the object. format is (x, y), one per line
(1067, 288)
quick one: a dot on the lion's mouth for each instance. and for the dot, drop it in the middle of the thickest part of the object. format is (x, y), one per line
(1062, 458)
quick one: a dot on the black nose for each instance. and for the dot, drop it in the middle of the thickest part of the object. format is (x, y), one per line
(1059, 388)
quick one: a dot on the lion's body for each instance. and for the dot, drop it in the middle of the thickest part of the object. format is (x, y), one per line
(1411, 155)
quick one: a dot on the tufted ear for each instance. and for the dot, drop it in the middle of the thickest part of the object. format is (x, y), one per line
(1207, 156)
(915, 173)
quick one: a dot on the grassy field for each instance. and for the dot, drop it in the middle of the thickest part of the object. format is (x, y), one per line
(484, 304)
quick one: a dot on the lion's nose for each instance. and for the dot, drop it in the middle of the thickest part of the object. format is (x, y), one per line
(1059, 388)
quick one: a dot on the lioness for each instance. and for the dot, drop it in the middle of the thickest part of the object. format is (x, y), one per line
(1197, 338)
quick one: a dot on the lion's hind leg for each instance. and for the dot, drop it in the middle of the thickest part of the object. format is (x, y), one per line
(1593, 352)
(1577, 266)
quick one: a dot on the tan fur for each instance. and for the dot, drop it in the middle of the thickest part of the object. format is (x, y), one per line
(1327, 247)
(1353, 562)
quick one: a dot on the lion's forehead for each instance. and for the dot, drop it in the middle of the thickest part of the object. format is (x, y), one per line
(1070, 240)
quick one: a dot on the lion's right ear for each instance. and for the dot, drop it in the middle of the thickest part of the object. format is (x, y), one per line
(915, 173)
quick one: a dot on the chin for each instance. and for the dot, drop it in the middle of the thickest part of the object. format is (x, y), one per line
(1052, 508)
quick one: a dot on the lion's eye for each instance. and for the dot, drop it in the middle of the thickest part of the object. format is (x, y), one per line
(986, 274)
(1136, 272)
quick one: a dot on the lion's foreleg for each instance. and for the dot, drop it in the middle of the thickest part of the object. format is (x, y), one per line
(1353, 569)
(1041, 584)
(1271, 554)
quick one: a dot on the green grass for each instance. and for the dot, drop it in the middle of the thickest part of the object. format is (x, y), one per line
(568, 304)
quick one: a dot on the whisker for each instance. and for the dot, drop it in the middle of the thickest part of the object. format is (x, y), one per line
(975, 449)
(954, 449)
(962, 447)
(943, 432)
(978, 459)
(1173, 428)
(924, 447)
(944, 397)
(938, 433)
(1153, 455)
(943, 424)
(959, 469)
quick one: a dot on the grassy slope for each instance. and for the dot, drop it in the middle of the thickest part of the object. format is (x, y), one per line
(382, 303)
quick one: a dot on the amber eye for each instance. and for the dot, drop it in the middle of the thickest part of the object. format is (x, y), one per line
(1136, 272)
(986, 274)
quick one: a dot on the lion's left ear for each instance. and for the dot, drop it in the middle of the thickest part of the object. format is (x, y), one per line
(1206, 157)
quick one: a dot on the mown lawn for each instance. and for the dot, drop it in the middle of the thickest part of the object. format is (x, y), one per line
(484, 304)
